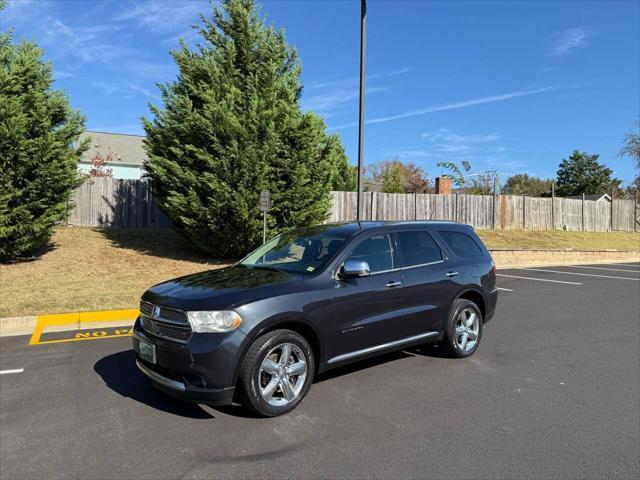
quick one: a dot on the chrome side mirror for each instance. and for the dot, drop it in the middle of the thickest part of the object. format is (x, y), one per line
(355, 268)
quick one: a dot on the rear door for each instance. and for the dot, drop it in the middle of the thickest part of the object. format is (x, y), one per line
(366, 308)
(430, 286)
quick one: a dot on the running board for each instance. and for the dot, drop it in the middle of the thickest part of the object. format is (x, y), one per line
(383, 346)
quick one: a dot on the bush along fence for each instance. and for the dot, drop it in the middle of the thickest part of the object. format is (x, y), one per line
(505, 212)
(108, 202)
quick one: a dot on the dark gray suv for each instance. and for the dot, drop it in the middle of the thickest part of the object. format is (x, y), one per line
(310, 300)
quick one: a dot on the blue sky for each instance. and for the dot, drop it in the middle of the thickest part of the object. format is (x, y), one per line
(510, 86)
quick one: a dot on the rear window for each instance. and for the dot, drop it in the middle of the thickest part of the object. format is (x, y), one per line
(461, 244)
(418, 248)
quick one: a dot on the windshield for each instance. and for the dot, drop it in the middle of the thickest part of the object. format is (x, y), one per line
(300, 251)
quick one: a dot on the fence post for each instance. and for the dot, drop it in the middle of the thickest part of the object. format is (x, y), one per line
(635, 212)
(553, 206)
(455, 208)
(611, 214)
(583, 212)
(524, 212)
(494, 209)
(415, 205)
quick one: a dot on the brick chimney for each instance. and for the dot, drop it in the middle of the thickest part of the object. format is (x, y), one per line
(443, 185)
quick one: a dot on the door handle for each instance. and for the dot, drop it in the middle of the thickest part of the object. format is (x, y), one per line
(393, 284)
(452, 274)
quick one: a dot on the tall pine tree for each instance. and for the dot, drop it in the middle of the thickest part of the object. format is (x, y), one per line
(232, 126)
(38, 150)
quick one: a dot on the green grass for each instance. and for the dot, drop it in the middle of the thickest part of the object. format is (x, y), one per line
(91, 269)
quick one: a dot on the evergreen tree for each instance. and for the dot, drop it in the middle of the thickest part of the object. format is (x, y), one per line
(38, 150)
(581, 173)
(232, 126)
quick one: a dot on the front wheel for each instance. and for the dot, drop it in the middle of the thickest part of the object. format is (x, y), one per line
(464, 328)
(277, 372)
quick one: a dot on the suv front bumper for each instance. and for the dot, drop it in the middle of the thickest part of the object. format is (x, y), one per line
(181, 372)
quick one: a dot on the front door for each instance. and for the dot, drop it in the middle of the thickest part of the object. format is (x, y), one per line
(366, 308)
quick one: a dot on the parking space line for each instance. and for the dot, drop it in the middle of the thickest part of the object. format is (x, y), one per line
(15, 370)
(602, 268)
(537, 279)
(578, 273)
(504, 289)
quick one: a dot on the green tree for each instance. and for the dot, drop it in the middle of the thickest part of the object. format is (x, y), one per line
(232, 126)
(38, 149)
(581, 173)
(524, 184)
(391, 180)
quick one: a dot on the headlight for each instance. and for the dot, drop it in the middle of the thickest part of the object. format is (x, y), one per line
(213, 322)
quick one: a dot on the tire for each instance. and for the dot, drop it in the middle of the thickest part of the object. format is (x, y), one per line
(263, 379)
(461, 313)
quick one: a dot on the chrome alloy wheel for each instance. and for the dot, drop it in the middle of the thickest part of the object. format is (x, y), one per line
(282, 374)
(467, 329)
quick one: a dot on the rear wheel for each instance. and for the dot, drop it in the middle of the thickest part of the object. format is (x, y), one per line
(277, 372)
(464, 328)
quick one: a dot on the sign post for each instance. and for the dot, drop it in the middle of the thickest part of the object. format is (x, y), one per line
(265, 204)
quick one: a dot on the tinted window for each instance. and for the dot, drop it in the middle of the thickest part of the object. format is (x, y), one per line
(300, 251)
(461, 244)
(376, 251)
(418, 248)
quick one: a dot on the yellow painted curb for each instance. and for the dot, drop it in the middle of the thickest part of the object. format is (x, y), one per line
(79, 320)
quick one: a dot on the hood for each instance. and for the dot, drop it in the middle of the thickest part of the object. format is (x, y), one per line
(221, 288)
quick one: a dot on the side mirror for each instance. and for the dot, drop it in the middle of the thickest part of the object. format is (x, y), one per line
(355, 268)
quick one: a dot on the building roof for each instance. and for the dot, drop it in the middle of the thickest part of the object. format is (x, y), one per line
(126, 149)
(596, 197)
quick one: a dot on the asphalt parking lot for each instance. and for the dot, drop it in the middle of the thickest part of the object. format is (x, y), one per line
(552, 392)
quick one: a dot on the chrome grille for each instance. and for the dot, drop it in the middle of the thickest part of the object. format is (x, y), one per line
(166, 314)
(164, 330)
(165, 322)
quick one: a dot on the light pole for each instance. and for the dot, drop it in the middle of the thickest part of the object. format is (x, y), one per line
(363, 47)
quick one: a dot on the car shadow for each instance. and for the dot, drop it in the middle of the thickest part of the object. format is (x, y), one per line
(121, 375)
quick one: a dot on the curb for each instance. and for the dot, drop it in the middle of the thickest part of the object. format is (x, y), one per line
(62, 322)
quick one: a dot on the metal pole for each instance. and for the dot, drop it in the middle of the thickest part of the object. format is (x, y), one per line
(264, 227)
(363, 46)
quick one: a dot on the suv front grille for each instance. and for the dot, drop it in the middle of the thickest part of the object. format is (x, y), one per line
(165, 322)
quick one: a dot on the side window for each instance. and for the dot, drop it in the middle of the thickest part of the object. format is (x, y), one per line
(376, 251)
(418, 248)
(461, 244)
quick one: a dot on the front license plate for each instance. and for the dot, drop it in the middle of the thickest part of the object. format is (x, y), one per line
(147, 351)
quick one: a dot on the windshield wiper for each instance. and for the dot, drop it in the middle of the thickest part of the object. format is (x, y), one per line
(264, 267)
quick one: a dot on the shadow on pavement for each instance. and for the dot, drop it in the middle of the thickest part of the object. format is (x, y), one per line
(121, 375)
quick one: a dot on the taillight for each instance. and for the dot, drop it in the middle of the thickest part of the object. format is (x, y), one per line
(493, 266)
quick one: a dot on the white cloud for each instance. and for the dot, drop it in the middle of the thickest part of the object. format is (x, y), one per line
(451, 106)
(165, 16)
(568, 40)
(326, 102)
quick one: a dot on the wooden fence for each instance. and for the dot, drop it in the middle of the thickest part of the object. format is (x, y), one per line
(106, 202)
(506, 212)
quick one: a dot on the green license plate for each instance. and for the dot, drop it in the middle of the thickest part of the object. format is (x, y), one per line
(147, 351)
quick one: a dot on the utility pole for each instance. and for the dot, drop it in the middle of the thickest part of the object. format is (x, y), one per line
(363, 49)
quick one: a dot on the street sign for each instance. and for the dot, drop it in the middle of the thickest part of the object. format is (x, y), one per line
(265, 200)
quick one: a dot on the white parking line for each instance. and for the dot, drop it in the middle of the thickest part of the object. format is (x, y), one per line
(633, 266)
(16, 370)
(504, 289)
(577, 273)
(538, 279)
(603, 268)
